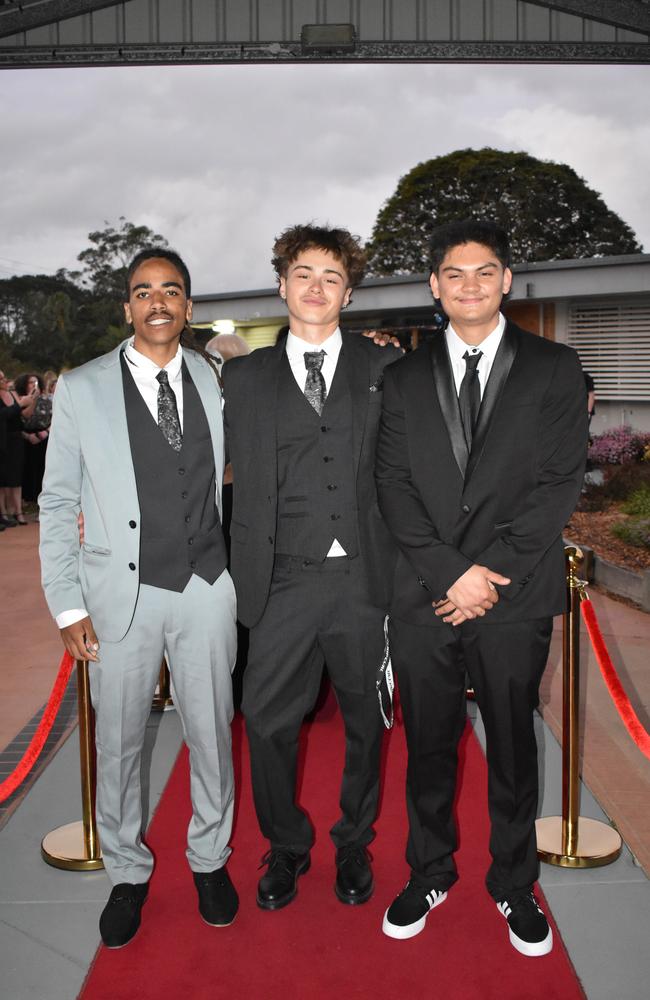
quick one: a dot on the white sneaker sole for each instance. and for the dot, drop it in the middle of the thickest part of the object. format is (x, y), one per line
(531, 949)
(402, 933)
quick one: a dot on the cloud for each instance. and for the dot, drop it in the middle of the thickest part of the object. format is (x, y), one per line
(220, 159)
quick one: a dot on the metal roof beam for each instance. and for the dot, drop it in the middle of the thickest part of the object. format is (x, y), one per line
(17, 17)
(291, 52)
(631, 15)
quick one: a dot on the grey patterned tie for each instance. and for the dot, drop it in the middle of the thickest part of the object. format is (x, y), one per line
(315, 383)
(168, 420)
(469, 396)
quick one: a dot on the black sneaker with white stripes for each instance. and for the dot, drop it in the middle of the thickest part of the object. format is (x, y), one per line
(529, 930)
(407, 914)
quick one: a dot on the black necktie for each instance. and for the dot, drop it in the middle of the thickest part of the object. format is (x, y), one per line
(469, 397)
(315, 383)
(168, 420)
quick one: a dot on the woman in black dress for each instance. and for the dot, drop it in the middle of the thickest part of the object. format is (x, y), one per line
(12, 451)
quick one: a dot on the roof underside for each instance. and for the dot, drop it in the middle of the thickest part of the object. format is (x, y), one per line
(147, 32)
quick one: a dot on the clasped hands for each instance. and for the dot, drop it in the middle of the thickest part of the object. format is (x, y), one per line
(470, 596)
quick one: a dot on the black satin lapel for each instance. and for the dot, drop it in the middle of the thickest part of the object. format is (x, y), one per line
(498, 377)
(357, 371)
(448, 398)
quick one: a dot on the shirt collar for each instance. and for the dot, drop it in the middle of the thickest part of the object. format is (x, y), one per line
(296, 346)
(147, 366)
(488, 347)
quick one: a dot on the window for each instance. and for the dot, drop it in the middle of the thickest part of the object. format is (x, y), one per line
(613, 341)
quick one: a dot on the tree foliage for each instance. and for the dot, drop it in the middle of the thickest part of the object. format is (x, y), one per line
(106, 260)
(548, 210)
(64, 320)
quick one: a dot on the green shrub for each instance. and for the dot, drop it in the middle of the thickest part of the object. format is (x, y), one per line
(635, 533)
(638, 502)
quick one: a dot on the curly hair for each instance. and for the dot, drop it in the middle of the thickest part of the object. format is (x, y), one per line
(339, 242)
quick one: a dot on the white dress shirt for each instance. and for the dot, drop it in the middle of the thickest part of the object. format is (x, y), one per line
(144, 372)
(296, 348)
(488, 348)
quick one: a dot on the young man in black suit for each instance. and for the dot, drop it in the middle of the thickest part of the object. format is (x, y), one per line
(311, 556)
(480, 460)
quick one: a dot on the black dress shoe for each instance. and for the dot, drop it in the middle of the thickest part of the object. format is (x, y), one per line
(120, 918)
(218, 899)
(354, 882)
(280, 884)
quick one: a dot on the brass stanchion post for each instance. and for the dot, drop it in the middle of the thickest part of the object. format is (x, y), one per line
(162, 700)
(571, 840)
(75, 846)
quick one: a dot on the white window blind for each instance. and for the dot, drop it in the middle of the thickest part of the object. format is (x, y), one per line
(613, 341)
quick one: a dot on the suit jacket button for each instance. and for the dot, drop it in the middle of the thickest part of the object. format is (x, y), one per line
(131, 565)
(270, 540)
(466, 508)
(132, 524)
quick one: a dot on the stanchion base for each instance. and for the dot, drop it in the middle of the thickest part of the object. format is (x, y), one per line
(598, 843)
(66, 848)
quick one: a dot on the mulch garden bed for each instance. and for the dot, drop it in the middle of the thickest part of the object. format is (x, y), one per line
(593, 528)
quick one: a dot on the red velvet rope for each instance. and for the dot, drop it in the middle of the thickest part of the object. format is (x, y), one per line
(29, 758)
(614, 686)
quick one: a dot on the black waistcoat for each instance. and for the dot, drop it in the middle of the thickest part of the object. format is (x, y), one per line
(316, 488)
(180, 532)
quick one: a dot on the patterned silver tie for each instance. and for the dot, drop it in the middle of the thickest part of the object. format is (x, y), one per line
(315, 383)
(168, 420)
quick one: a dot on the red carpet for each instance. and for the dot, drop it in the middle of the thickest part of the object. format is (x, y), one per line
(318, 948)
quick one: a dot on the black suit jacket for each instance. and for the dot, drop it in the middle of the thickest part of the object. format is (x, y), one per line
(504, 505)
(252, 400)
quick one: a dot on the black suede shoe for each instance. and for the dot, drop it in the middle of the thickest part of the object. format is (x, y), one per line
(120, 918)
(218, 899)
(354, 882)
(280, 884)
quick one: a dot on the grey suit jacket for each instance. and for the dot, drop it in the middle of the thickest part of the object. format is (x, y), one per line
(89, 468)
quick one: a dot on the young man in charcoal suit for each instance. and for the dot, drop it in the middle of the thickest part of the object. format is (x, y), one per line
(311, 557)
(480, 460)
(137, 445)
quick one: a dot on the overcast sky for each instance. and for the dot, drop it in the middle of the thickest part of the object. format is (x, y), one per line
(220, 159)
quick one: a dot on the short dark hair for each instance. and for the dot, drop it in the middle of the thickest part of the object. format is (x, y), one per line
(453, 234)
(159, 253)
(339, 242)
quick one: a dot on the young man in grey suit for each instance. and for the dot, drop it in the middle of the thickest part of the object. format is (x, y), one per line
(310, 555)
(136, 444)
(480, 460)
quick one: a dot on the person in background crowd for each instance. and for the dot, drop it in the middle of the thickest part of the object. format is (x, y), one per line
(590, 386)
(311, 558)
(36, 429)
(13, 407)
(478, 513)
(137, 445)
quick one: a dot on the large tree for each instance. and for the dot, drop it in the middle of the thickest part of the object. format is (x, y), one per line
(548, 210)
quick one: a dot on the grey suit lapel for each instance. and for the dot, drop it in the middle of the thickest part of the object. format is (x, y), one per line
(448, 399)
(205, 380)
(497, 379)
(110, 395)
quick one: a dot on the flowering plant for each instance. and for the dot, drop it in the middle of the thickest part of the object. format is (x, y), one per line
(619, 446)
